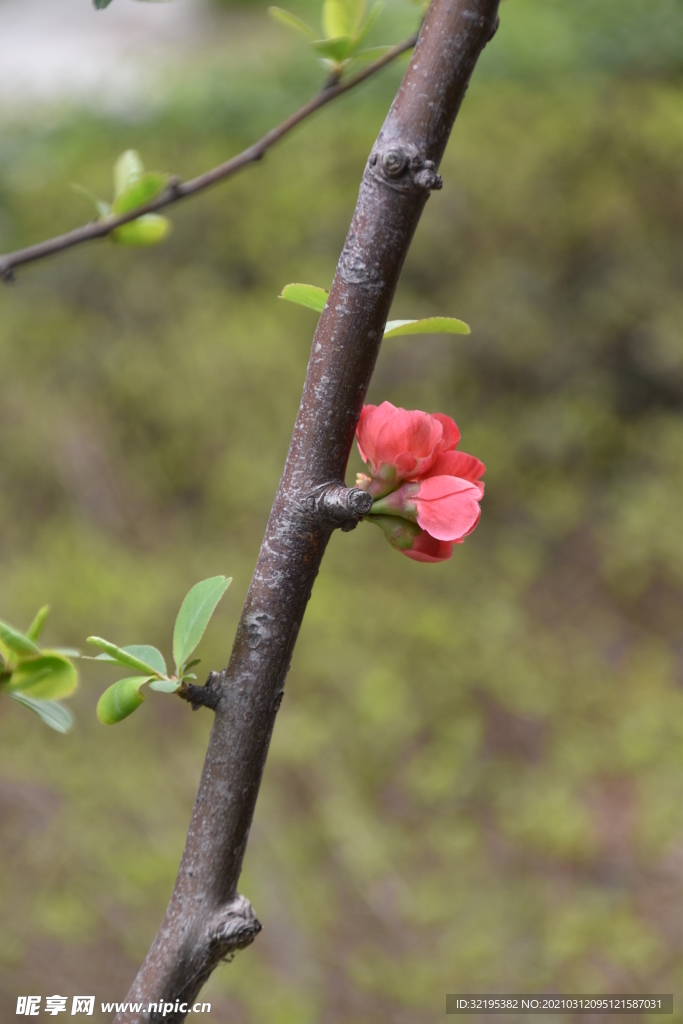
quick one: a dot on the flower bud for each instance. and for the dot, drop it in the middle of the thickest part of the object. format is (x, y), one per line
(412, 541)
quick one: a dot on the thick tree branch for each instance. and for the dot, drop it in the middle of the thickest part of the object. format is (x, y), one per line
(177, 190)
(206, 919)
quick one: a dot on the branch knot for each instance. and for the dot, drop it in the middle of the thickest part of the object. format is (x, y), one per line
(338, 505)
(234, 927)
(207, 696)
(403, 168)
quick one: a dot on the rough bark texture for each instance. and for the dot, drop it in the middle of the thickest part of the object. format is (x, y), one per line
(206, 920)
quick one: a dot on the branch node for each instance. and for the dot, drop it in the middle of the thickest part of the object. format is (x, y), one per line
(394, 162)
(494, 29)
(331, 82)
(339, 505)
(7, 274)
(207, 696)
(277, 701)
(403, 168)
(173, 186)
(233, 927)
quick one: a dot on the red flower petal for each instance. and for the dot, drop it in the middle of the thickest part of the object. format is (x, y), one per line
(404, 439)
(428, 549)
(406, 465)
(448, 507)
(451, 435)
(366, 431)
(407, 433)
(467, 467)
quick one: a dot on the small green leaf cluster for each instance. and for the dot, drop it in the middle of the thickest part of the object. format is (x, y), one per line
(34, 677)
(123, 697)
(312, 297)
(345, 26)
(133, 187)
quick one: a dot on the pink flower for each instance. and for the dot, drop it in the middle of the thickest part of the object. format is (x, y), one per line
(428, 492)
(401, 444)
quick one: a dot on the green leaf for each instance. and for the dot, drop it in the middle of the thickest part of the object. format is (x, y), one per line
(68, 652)
(127, 169)
(191, 664)
(139, 192)
(337, 49)
(130, 657)
(431, 325)
(53, 714)
(372, 53)
(305, 295)
(150, 655)
(101, 4)
(165, 685)
(369, 22)
(47, 677)
(36, 628)
(120, 700)
(193, 617)
(149, 229)
(291, 21)
(17, 642)
(342, 17)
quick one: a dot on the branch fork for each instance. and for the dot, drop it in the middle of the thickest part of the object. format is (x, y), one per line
(176, 189)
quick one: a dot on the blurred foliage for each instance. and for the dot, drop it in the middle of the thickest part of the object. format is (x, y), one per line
(345, 24)
(35, 677)
(474, 782)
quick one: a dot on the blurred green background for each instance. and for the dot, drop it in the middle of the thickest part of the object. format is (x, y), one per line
(475, 779)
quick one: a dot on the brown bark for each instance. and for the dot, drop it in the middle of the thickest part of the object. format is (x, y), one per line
(206, 920)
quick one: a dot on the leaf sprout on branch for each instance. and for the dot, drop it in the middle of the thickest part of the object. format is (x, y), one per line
(133, 187)
(312, 297)
(122, 698)
(109, 222)
(345, 26)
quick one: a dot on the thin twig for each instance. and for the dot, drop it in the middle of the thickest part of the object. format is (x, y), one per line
(177, 190)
